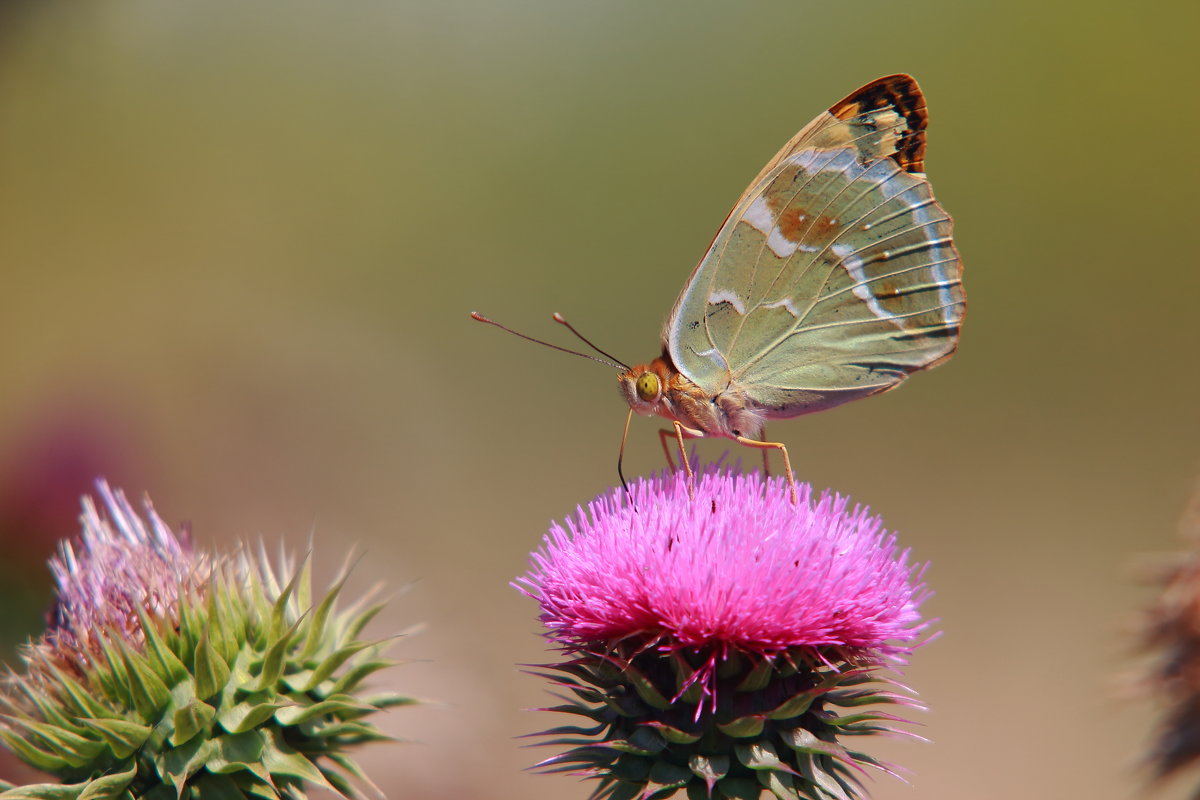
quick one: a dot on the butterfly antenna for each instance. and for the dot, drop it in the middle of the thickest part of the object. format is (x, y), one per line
(561, 320)
(475, 315)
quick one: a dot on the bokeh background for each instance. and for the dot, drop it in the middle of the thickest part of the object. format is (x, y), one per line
(239, 242)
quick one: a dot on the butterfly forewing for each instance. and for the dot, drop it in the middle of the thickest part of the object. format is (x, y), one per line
(834, 276)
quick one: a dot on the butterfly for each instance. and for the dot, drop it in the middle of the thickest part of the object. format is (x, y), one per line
(834, 277)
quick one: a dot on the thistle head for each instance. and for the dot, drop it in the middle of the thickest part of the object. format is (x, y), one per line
(121, 571)
(165, 672)
(723, 642)
(1171, 638)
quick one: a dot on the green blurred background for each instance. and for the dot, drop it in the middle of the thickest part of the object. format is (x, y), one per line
(239, 243)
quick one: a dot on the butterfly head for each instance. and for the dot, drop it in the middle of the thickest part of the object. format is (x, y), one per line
(645, 386)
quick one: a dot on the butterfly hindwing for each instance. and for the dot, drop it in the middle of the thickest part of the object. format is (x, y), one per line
(834, 276)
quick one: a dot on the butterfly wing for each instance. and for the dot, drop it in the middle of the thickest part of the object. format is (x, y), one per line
(834, 276)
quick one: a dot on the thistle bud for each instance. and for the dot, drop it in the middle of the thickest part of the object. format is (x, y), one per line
(168, 673)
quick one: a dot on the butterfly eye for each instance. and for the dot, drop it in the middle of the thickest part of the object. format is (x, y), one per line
(647, 386)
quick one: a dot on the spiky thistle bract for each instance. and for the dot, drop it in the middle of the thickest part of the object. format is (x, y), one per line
(167, 673)
(723, 640)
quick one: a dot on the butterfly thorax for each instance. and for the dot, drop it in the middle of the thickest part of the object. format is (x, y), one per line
(658, 388)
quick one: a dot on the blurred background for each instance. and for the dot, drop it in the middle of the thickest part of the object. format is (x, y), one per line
(239, 243)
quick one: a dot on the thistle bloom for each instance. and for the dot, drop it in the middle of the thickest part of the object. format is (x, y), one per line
(714, 640)
(166, 672)
(114, 574)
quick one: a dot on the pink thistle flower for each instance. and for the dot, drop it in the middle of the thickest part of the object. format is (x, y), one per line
(120, 568)
(712, 636)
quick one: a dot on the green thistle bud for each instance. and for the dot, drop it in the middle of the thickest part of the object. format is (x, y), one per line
(166, 673)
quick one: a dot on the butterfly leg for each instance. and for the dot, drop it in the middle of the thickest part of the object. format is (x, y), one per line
(667, 437)
(787, 462)
(680, 433)
(765, 453)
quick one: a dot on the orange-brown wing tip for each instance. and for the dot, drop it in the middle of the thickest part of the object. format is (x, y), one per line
(902, 93)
